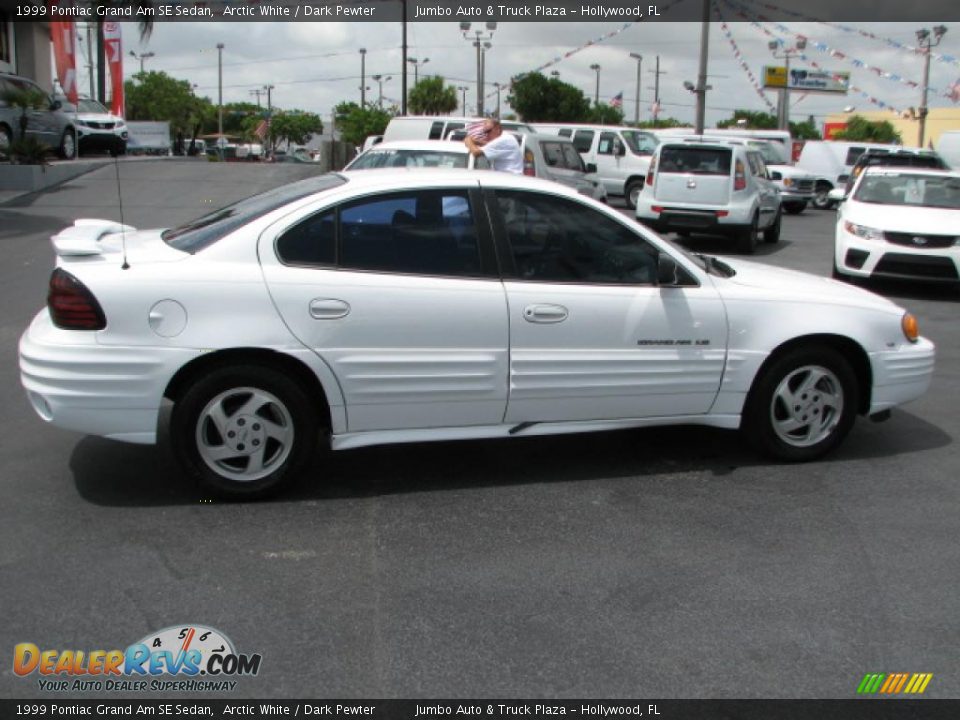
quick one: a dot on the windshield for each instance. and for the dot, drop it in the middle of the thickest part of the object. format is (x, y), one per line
(205, 231)
(409, 158)
(640, 143)
(912, 190)
(92, 106)
(772, 155)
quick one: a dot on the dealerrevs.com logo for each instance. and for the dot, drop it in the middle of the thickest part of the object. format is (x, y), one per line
(180, 658)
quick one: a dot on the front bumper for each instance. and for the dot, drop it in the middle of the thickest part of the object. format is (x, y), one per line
(77, 384)
(92, 139)
(859, 257)
(901, 375)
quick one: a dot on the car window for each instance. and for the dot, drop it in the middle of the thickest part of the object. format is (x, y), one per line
(552, 154)
(391, 158)
(913, 190)
(453, 127)
(582, 140)
(555, 239)
(565, 132)
(436, 131)
(640, 143)
(853, 154)
(572, 159)
(429, 232)
(606, 144)
(198, 234)
(310, 242)
(757, 166)
(695, 160)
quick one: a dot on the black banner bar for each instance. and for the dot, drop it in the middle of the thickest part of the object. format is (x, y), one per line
(873, 708)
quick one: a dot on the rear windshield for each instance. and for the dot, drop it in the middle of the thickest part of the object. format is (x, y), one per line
(205, 231)
(695, 160)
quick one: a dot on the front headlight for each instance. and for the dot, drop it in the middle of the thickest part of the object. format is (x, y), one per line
(910, 326)
(862, 231)
(787, 182)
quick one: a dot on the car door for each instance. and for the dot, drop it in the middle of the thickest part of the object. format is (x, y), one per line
(767, 190)
(41, 122)
(610, 169)
(592, 336)
(397, 292)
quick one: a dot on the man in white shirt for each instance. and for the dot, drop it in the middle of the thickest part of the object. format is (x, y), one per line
(500, 148)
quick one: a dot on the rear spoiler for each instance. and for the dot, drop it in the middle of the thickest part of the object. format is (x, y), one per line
(83, 237)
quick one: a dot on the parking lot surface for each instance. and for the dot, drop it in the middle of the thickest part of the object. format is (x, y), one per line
(655, 563)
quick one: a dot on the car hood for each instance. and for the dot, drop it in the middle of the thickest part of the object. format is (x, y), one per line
(900, 218)
(789, 171)
(773, 282)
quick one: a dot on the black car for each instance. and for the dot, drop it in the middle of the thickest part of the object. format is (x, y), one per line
(896, 158)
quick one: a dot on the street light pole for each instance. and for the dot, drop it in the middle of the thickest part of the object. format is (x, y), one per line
(596, 92)
(220, 99)
(269, 89)
(416, 68)
(463, 100)
(478, 44)
(141, 57)
(701, 89)
(497, 86)
(363, 78)
(783, 117)
(380, 80)
(926, 43)
(636, 105)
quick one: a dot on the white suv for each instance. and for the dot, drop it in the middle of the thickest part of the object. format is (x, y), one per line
(711, 185)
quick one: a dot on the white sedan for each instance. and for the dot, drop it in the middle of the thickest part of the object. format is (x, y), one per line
(900, 223)
(357, 309)
(417, 154)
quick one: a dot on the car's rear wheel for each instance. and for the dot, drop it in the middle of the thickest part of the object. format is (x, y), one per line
(244, 432)
(632, 193)
(802, 405)
(772, 233)
(747, 236)
(821, 199)
(68, 145)
(6, 140)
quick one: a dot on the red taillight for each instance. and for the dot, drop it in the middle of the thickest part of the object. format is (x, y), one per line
(722, 213)
(657, 208)
(740, 177)
(72, 306)
(651, 170)
(529, 164)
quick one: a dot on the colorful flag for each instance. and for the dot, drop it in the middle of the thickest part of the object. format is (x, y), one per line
(113, 46)
(261, 131)
(64, 35)
(953, 92)
(617, 100)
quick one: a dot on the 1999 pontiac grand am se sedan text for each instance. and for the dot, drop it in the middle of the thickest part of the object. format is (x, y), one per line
(406, 306)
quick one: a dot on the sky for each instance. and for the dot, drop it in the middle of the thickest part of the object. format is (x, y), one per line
(314, 66)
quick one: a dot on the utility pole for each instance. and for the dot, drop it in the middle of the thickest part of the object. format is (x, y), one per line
(258, 92)
(220, 98)
(596, 92)
(497, 86)
(636, 105)
(926, 43)
(656, 90)
(783, 114)
(403, 82)
(463, 99)
(269, 89)
(363, 78)
(479, 44)
(701, 89)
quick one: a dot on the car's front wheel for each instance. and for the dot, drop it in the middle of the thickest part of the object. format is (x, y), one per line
(821, 198)
(68, 145)
(802, 405)
(243, 432)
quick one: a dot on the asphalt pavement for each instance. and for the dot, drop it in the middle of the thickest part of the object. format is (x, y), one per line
(657, 563)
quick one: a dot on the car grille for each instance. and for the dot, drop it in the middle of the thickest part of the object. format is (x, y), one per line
(804, 185)
(926, 241)
(102, 125)
(921, 266)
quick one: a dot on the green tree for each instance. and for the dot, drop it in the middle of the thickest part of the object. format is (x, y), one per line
(805, 130)
(862, 130)
(606, 115)
(356, 124)
(24, 100)
(538, 99)
(158, 96)
(432, 96)
(752, 120)
(239, 118)
(294, 127)
(664, 122)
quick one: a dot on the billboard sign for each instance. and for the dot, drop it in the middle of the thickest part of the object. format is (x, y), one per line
(805, 80)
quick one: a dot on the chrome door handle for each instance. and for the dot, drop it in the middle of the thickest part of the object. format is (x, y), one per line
(328, 309)
(545, 313)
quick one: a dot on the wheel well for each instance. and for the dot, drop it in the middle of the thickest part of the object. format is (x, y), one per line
(851, 351)
(632, 178)
(209, 362)
(824, 183)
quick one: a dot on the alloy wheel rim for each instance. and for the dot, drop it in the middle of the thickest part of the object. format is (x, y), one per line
(807, 406)
(244, 434)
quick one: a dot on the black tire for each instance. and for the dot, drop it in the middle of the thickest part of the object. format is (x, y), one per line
(772, 233)
(6, 140)
(264, 409)
(820, 200)
(787, 421)
(795, 208)
(747, 237)
(631, 192)
(68, 145)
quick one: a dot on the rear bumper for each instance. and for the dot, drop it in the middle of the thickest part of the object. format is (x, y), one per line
(76, 384)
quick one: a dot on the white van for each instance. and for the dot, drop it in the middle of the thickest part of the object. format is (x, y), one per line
(437, 127)
(831, 161)
(948, 147)
(621, 154)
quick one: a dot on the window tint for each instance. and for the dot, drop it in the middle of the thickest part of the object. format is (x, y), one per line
(853, 154)
(640, 143)
(453, 127)
(204, 231)
(555, 239)
(582, 140)
(310, 242)
(430, 232)
(695, 160)
(376, 158)
(606, 143)
(436, 131)
(572, 158)
(565, 132)
(552, 154)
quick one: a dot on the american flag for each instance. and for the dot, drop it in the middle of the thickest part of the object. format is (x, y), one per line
(262, 128)
(617, 100)
(476, 131)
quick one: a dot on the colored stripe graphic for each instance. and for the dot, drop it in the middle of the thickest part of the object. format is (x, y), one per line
(894, 683)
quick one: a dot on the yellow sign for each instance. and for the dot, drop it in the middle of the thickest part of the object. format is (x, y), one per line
(774, 77)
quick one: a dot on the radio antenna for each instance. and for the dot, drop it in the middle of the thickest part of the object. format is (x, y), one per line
(123, 225)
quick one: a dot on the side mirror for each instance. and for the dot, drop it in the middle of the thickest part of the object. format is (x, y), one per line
(774, 175)
(666, 270)
(591, 167)
(56, 105)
